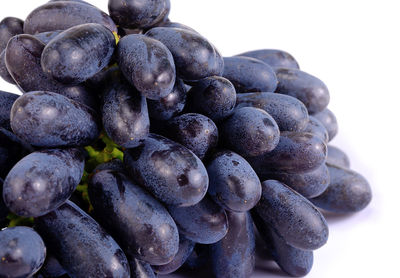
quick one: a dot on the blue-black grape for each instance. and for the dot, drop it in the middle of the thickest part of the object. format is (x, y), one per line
(328, 119)
(296, 153)
(42, 181)
(82, 247)
(9, 27)
(147, 64)
(138, 13)
(125, 114)
(137, 220)
(250, 132)
(51, 120)
(337, 157)
(113, 165)
(195, 57)
(140, 269)
(305, 87)
(273, 57)
(71, 58)
(348, 192)
(292, 216)
(51, 268)
(199, 258)
(6, 100)
(185, 249)
(194, 131)
(3, 69)
(168, 170)
(249, 75)
(214, 97)
(289, 113)
(171, 24)
(3, 208)
(61, 15)
(234, 255)
(233, 183)
(170, 105)
(46, 37)
(316, 128)
(22, 252)
(293, 261)
(204, 223)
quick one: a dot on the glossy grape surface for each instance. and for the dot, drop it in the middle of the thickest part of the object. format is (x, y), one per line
(316, 128)
(273, 57)
(337, 157)
(328, 119)
(3, 69)
(140, 269)
(6, 100)
(9, 27)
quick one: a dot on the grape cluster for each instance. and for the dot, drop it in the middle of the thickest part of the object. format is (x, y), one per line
(137, 149)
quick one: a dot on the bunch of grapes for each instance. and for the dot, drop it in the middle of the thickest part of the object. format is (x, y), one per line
(137, 149)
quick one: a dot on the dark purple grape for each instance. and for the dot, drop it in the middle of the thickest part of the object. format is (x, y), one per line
(303, 86)
(147, 64)
(204, 223)
(214, 97)
(46, 37)
(71, 58)
(51, 268)
(292, 216)
(296, 153)
(249, 75)
(3, 69)
(3, 209)
(51, 120)
(138, 221)
(194, 131)
(310, 184)
(140, 269)
(185, 249)
(289, 113)
(195, 57)
(125, 115)
(337, 157)
(273, 57)
(113, 165)
(348, 192)
(138, 13)
(250, 132)
(234, 255)
(6, 101)
(198, 259)
(9, 27)
(80, 1)
(42, 181)
(169, 106)
(316, 128)
(171, 24)
(293, 261)
(22, 252)
(168, 170)
(328, 119)
(233, 183)
(82, 247)
(61, 15)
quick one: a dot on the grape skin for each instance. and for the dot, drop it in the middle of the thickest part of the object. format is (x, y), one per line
(273, 57)
(6, 100)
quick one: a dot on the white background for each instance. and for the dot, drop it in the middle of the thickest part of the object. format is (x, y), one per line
(353, 47)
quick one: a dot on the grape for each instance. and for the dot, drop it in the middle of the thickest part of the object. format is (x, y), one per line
(6, 100)
(141, 269)
(61, 15)
(303, 86)
(296, 153)
(113, 165)
(293, 261)
(292, 216)
(205, 222)
(46, 37)
(51, 120)
(168, 170)
(310, 184)
(194, 131)
(3, 69)
(139, 222)
(22, 252)
(337, 157)
(71, 58)
(51, 268)
(289, 113)
(125, 115)
(171, 24)
(42, 181)
(199, 258)
(316, 128)
(214, 97)
(147, 64)
(169, 106)
(249, 75)
(250, 132)
(138, 13)
(185, 249)
(348, 192)
(273, 57)
(195, 57)
(80, 1)
(3, 208)
(23, 62)
(234, 255)
(328, 119)
(233, 183)
(82, 247)
(9, 27)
